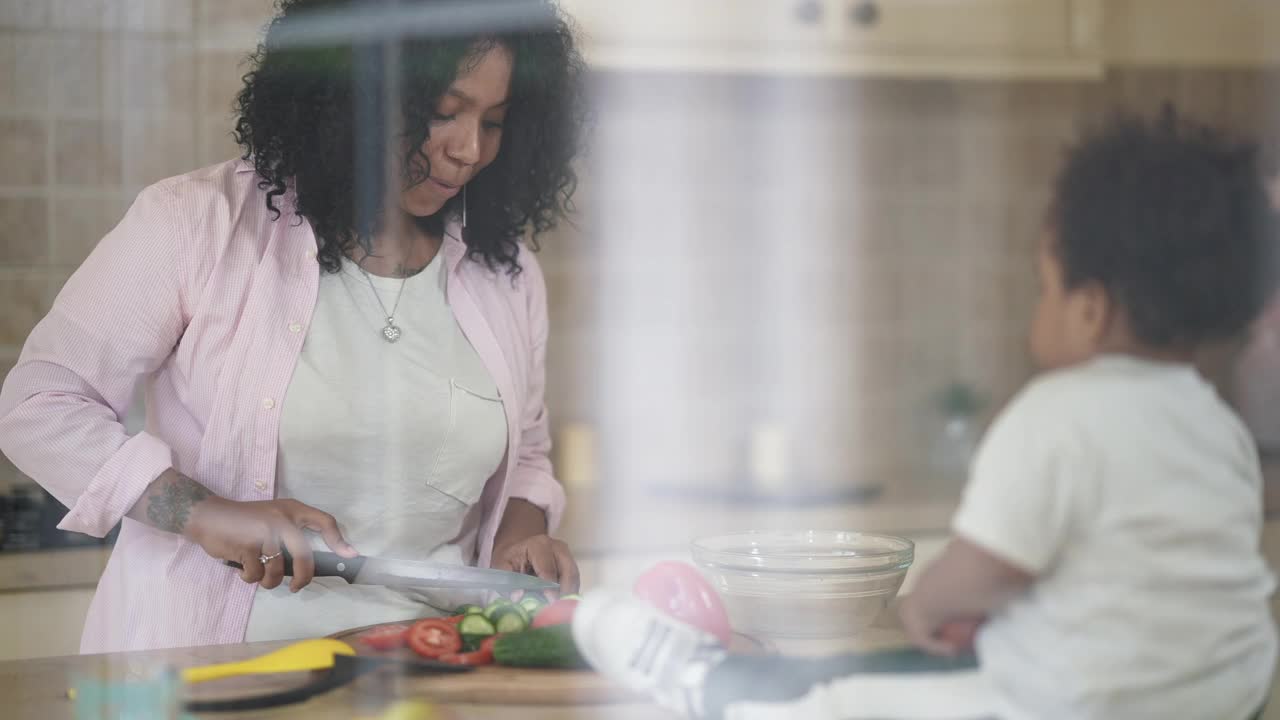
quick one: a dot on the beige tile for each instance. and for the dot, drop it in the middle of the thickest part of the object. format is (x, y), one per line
(232, 25)
(24, 72)
(24, 14)
(981, 225)
(159, 15)
(216, 15)
(930, 159)
(25, 298)
(84, 78)
(571, 302)
(1031, 160)
(57, 277)
(157, 146)
(1203, 94)
(572, 374)
(219, 81)
(574, 240)
(24, 230)
(87, 152)
(23, 142)
(1251, 97)
(86, 14)
(156, 73)
(1144, 90)
(927, 227)
(1048, 108)
(79, 223)
(216, 143)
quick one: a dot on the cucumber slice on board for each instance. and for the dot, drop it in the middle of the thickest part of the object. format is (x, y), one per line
(476, 624)
(548, 647)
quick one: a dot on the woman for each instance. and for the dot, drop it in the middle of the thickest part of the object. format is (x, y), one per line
(326, 346)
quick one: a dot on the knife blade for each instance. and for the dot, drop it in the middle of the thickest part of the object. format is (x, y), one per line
(364, 570)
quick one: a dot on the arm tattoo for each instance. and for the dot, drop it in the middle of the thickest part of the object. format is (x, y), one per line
(169, 506)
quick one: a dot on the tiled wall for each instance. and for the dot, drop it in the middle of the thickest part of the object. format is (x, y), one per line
(905, 214)
(99, 98)
(920, 201)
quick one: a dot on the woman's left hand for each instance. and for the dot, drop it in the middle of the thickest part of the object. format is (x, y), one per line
(540, 555)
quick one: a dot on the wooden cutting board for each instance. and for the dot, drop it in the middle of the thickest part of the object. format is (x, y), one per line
(497, 685)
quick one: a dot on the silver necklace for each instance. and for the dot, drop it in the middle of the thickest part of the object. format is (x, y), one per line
(390, 332)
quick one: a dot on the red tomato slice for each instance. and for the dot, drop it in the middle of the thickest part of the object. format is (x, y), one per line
(386, 637)
(434, 637)
(679, 590)
(483, 656)
(559, 612)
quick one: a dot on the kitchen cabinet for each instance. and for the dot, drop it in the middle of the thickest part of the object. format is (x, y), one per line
(44, 597)
(986, 38)
(1192, 33)
(44, 623)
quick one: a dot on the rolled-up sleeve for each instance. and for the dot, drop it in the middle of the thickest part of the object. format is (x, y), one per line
(533, 479)
(115, 321)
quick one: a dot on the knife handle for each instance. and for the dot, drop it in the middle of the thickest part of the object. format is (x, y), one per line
(328, 564)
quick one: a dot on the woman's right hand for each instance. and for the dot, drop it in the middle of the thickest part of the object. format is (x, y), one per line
(246, 531)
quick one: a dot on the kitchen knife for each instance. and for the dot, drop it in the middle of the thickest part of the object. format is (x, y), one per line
(363, 570)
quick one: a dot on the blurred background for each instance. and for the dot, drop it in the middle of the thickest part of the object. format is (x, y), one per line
(800, 276)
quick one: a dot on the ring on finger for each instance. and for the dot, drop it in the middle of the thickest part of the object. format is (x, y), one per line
(268, 558)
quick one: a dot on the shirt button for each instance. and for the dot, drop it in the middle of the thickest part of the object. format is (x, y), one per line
(311, 254)
(268, 403)
(261, 484)
(295, 327)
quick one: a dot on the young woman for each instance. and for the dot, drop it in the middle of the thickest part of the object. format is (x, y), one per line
(340, 332)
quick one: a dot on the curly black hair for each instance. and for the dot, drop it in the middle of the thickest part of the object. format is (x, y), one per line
(312, 120)
(1172, 218)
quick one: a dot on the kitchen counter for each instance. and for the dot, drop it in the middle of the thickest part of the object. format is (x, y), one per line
(36, 689)
(39, 570)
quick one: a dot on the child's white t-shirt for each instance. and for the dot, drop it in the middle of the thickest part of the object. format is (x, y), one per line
(1134, 495)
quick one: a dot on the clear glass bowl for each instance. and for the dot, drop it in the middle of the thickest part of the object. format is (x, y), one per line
(806, 583)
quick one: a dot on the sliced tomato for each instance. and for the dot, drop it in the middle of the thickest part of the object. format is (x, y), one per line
(483, 656)
(434, 637)
(385, 637)
(679, 590)
(559, 612)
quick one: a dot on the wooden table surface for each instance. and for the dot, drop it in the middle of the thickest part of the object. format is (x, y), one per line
(37, 689)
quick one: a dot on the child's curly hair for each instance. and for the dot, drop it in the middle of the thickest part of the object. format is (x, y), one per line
(1173, 219)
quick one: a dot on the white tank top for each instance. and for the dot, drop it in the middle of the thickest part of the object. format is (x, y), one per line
(396, 441)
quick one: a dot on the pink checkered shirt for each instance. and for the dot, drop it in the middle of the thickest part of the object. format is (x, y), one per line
(201, 295)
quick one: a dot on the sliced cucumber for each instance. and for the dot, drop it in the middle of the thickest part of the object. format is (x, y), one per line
(548, 647)
(496, 606)
(532, 605)
(476, 624)
(470, 610)
(511, 623)
(571, 596)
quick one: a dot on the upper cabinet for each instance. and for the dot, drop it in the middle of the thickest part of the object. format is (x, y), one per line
(1197, 33)
(942, 38)
(896, 37)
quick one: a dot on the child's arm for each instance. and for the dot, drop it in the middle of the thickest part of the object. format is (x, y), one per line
(956, 593)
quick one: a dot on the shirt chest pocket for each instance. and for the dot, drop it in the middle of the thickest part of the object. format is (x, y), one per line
(472, 446)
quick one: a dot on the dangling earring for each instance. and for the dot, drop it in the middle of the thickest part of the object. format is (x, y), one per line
(464, 206)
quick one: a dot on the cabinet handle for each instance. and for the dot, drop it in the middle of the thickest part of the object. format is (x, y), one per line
(865, 13)
(809, 12)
